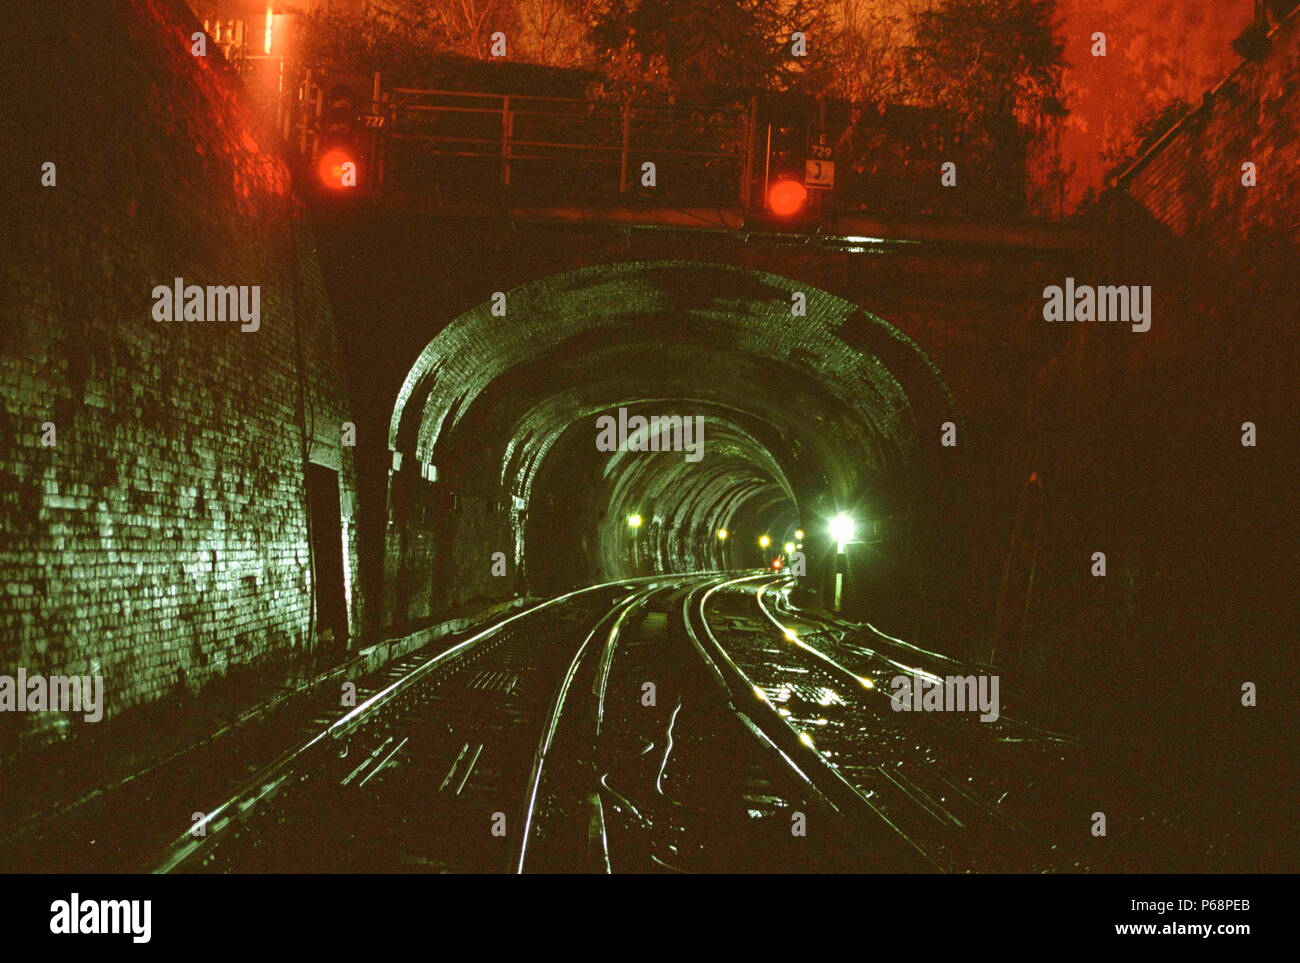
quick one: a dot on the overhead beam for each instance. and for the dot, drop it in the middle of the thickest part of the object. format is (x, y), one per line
(837, 231)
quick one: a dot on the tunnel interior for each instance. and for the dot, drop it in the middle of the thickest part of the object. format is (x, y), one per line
(731, 399)
(615, 420)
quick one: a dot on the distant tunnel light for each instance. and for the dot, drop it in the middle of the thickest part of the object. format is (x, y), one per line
(722, 534)
(789, 548)
(798, 534)
(842, 529)
(764, 541)
(634, 521)
(786, 197)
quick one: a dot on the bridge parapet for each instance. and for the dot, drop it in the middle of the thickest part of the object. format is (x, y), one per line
(492, 145)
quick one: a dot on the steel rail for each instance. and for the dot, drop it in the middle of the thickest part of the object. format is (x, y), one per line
(616, 613)
(263, 784)
(805, 760)
(844, 625)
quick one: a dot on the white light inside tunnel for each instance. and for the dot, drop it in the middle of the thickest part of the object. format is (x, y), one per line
(764, 541)
(798, 534)
(634, 521)
(789, 547)
(722, 534)
(842, 529)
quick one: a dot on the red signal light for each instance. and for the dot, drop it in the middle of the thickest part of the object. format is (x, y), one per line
(776, 564)
(337, 169)
(786, 197)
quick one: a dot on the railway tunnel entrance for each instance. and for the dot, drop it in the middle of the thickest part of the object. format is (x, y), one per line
(667, 416)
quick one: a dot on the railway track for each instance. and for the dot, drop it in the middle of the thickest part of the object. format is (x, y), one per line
(642, 766)
(696, 723)
(341, 799)
(581, 735)
(938, 781)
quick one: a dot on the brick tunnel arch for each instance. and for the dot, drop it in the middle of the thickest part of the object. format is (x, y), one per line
(494, 432)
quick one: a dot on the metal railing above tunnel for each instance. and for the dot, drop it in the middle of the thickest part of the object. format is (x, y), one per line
(558, 149)
(583, 160)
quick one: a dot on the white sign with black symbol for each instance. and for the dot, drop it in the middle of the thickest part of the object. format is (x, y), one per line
(819, 168)
(819, 175)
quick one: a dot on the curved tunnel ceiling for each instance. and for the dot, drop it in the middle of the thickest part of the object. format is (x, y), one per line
(795, 418)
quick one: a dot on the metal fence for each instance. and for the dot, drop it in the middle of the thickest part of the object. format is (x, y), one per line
(554, 148)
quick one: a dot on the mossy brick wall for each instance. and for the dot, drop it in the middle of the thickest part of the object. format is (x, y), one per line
(161, 542)
(438, 553)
